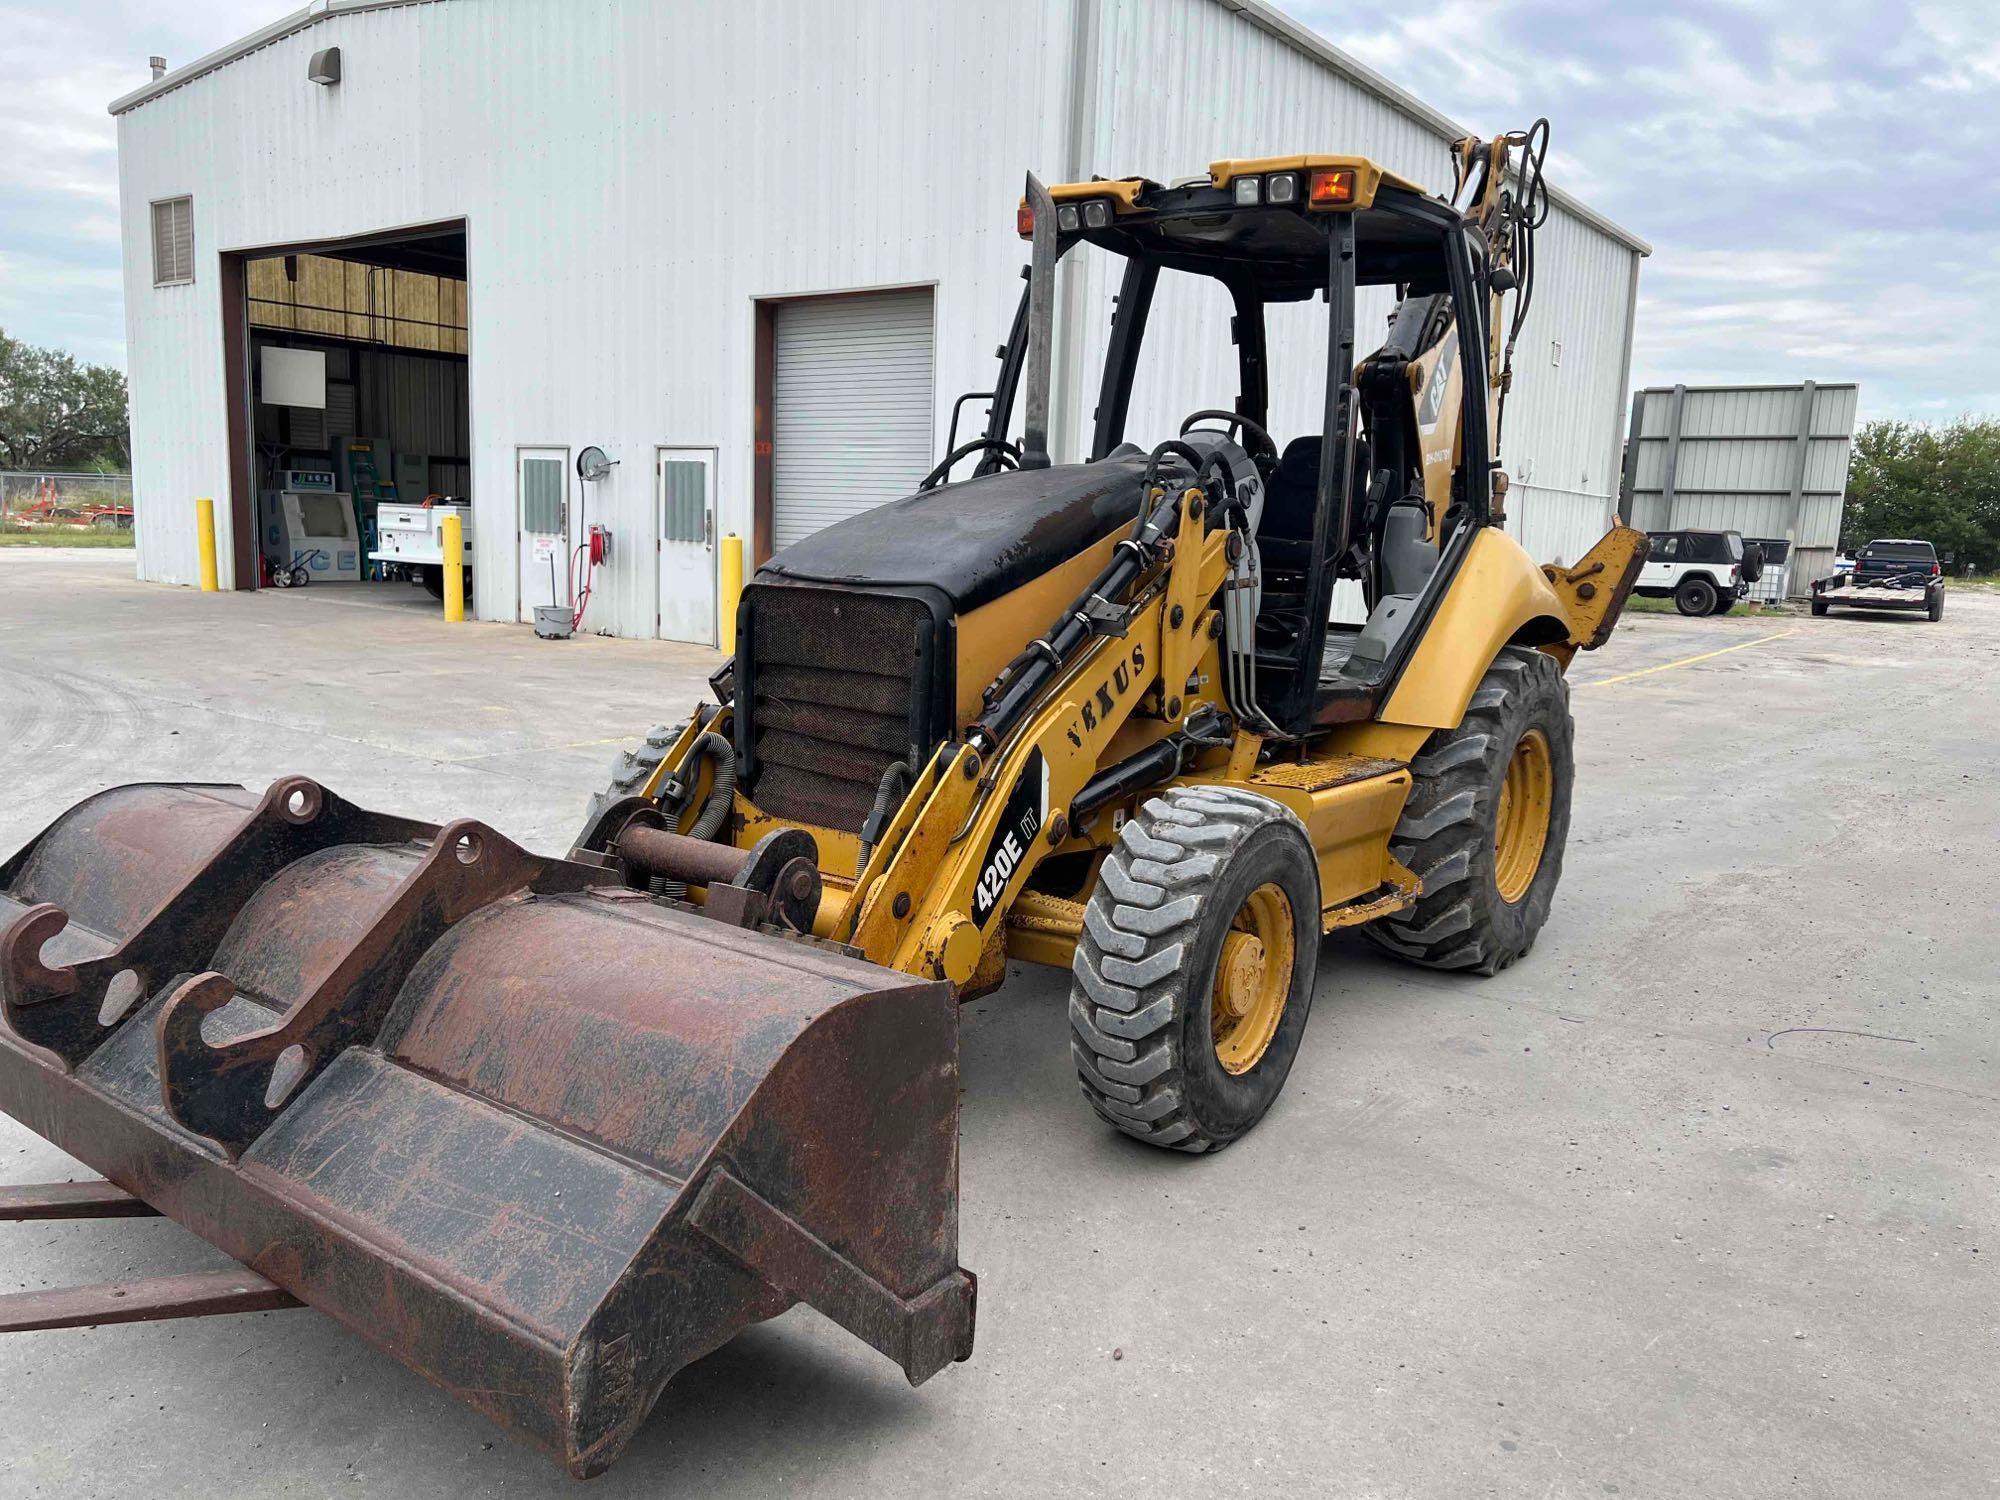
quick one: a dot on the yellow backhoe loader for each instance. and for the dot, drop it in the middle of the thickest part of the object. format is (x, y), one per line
(547, 1129)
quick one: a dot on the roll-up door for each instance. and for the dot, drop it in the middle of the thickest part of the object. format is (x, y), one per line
(851, 407)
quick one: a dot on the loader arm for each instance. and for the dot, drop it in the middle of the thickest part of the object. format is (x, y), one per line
(938, 890)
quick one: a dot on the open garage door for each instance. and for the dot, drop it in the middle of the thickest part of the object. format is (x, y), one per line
(351, 415)
(851, 406)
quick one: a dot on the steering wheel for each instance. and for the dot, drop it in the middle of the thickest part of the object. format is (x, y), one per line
(1008, 455)
(1256, 441)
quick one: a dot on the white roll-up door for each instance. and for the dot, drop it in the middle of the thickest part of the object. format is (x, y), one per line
(851, 407)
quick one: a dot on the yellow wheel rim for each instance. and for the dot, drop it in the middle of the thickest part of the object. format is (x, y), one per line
(1521, 822)
(1253, 979)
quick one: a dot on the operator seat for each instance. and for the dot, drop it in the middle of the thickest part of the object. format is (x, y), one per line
(1292, 497)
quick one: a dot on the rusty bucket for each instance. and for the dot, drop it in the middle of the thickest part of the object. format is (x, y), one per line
(541, 1137)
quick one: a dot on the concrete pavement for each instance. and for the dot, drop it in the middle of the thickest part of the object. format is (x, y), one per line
(1700, 1198)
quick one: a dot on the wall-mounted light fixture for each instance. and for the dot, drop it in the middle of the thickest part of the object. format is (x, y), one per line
(324, 68)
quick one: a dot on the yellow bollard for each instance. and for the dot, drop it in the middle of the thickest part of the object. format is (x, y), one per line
(204, 535)
(452, 543)
(732, 588)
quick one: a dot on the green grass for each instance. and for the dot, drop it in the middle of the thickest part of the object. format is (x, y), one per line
(1975, 585)
(15, 536)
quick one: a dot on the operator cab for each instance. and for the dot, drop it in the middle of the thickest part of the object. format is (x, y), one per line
(1388, 484)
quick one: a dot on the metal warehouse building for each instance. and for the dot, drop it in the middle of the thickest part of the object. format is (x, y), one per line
(753, 251)
(1768, 461)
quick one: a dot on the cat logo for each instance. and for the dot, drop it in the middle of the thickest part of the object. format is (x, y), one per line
(1433, 402)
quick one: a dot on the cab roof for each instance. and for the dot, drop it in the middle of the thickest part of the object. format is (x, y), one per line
(1277, 249)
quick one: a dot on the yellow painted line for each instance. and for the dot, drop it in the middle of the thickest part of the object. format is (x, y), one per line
(1688, 661)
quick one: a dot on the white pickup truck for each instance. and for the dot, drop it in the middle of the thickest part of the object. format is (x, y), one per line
(412, 537)
(1703, 572)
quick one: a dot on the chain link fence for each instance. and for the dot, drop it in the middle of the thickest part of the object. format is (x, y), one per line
(52, 505)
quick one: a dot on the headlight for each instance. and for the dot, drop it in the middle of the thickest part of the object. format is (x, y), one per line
(1249, 192)
(1097, 214)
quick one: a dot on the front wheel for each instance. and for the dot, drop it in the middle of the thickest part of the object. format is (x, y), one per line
(1695, 596)
(1194, 974)
(1486, 822)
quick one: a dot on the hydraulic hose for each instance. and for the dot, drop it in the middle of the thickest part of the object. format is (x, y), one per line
(889, 795)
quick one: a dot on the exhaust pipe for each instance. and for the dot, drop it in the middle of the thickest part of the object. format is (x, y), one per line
(1041, 325)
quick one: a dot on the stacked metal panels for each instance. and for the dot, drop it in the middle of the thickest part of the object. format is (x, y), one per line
(1763, 460)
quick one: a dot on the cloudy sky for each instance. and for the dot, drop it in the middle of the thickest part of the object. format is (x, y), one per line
(1813, 177)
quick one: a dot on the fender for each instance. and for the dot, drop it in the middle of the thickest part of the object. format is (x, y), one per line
(1501, 596)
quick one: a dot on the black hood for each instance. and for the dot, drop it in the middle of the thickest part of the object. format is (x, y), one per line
(974, 540)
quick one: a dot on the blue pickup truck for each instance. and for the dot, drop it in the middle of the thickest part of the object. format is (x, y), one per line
(1892, 573)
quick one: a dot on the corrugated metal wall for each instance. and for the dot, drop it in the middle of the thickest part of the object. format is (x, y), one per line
(1746, 459)
(632, 177)
(1182, 83)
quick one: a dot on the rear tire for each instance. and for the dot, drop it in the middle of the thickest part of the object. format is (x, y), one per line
(1724, 606)
(1173, 1045)
(433, 579)
(1483, 902)
(1934, 607)
(1695, 596)
(1819, 608)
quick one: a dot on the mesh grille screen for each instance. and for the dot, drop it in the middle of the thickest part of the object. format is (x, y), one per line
(831, 684)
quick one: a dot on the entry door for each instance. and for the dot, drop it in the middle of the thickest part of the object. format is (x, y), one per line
(541, 479)
(684, 484)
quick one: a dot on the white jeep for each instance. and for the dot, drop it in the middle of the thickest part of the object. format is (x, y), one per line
(1703, 572)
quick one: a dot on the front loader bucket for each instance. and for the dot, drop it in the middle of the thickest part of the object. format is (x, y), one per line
(540, 1137)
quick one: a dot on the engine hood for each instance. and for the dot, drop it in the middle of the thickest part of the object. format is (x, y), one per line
(974, 540)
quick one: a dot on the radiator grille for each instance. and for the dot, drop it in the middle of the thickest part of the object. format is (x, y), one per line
(832, 680)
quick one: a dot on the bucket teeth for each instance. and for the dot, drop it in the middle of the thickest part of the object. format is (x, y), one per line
(541, 1138)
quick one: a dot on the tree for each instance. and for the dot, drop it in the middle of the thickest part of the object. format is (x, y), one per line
(58, 413)
(1940, 483)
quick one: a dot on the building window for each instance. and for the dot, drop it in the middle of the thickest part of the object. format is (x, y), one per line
(173, 242)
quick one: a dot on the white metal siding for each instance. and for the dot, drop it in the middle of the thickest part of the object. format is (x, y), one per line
(633, 176)
(1187, 82)
(851, 407)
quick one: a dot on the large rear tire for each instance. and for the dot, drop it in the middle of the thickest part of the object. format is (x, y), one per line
(1486, 822)
(1194, 975)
